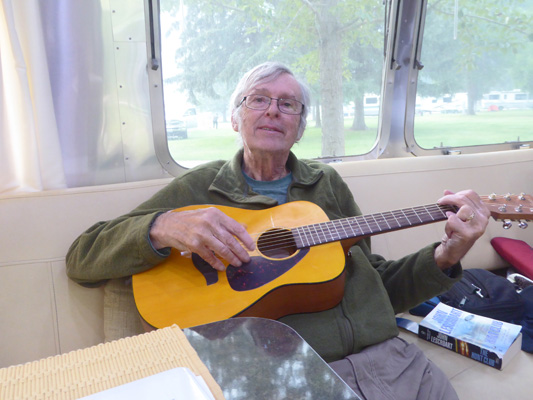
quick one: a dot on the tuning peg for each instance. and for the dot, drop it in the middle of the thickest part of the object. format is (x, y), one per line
(507, 197)
(507, 224)
(522, 196)
(522, 224)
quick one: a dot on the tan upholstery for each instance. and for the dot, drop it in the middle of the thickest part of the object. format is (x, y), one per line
(42, 313)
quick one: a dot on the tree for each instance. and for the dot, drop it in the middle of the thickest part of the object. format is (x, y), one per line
(207, 58)
(364, 66)
(467, 48)
(222, 39)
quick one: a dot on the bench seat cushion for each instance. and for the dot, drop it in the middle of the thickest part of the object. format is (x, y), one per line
(516, 252)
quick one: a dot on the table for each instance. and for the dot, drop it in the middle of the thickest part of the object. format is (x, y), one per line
(256, 358)
(240, 358)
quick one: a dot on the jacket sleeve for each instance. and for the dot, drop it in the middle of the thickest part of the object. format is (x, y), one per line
(113, 249)
(414, 278)
(409, 280)
(120, 247)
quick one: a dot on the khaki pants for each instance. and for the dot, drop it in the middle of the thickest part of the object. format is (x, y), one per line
(394, 370)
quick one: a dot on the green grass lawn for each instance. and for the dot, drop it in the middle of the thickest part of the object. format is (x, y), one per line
(431, 131)
(468, 130)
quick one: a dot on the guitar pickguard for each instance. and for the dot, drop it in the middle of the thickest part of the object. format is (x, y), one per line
(210, 274)
(259, 271)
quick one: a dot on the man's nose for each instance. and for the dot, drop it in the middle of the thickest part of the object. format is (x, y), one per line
(273, 108)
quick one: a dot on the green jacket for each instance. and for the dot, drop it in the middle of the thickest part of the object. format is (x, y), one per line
(375, 289)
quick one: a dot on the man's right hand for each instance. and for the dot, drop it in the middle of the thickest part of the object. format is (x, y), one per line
(207, 232)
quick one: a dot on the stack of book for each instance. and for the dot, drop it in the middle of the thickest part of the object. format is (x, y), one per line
(483, 339)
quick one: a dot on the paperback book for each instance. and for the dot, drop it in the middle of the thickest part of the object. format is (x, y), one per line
(483, 339)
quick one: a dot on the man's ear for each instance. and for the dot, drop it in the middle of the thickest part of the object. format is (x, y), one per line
(234, 122)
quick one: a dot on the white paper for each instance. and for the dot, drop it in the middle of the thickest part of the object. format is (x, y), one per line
(174, 384)
(491, 334)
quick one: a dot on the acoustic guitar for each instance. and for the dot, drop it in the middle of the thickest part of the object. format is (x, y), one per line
(297, 266)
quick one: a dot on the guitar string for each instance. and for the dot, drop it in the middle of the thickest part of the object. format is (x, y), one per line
(284, 237)
(371, 222)
(379, 218)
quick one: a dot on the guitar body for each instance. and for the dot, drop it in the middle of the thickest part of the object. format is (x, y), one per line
(187, 292)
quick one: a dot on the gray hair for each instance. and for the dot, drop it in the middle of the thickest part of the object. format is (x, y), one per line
(268, 72)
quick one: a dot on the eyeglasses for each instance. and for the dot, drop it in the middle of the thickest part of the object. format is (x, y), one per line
(260, 102)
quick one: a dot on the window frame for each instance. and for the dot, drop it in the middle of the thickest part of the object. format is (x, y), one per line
(395, 135)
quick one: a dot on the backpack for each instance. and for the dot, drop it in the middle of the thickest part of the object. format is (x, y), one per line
(484, 293)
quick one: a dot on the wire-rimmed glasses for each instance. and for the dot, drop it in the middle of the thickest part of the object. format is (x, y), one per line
(261, 102)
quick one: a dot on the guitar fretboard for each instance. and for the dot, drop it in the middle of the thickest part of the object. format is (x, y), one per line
(366, 225)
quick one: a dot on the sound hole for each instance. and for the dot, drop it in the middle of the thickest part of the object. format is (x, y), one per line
(277, 243)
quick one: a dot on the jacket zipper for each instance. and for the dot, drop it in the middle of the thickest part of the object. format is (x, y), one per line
(347, 332)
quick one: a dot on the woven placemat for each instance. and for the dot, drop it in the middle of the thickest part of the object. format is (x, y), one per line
(94, 369)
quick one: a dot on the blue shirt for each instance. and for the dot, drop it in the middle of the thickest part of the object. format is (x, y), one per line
(276, 190)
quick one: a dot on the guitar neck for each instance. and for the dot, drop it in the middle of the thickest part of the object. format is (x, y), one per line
(368, 225)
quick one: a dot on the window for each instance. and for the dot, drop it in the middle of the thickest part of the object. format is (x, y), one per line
(206, 46)
(477, 83)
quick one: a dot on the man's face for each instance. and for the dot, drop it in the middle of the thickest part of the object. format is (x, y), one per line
(270, 130)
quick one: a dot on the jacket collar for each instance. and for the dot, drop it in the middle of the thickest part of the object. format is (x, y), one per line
(230, 180)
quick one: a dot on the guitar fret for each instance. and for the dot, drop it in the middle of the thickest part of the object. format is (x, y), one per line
(351, 226)
(332, 237)
(429, 213)
(339, 237)
(366, 222)
(315, 236)
(297, 237)
(439, 213)
(387, 221)
(326, 234)
(323, 234)
(343, 224)
(364, 225)
(359, 226)
(312, 231)
(376, 221)
(416, 215)
(406, 217)
(419, 215)
(432, 213)
(382, 221)
(319, 233)
(340, 224)
(302, 235)
(398, 225)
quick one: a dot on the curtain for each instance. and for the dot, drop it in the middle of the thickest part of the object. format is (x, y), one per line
(30, 151)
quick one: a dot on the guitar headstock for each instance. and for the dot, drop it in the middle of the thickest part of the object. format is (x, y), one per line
(510, 207)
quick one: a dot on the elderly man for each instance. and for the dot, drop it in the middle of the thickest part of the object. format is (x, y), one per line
(358, 337)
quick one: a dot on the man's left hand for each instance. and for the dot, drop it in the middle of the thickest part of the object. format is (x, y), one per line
(462, 228)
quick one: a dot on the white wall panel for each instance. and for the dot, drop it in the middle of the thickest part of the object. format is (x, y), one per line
(28, 328)
(80, 312)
